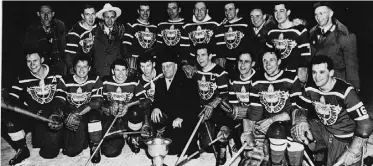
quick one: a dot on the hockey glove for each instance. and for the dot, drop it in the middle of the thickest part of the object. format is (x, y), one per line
(353, 153)
(57, 118)
(72, 121)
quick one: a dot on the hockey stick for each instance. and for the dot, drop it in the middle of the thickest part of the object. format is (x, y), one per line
(236, 155)
(190, 139)
(27, 113)
(210, 136)
(108, 130)
(199, 151)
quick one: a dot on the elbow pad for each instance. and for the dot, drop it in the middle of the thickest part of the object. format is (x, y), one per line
(364, 128)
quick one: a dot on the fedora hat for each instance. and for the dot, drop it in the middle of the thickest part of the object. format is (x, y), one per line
(108, 7)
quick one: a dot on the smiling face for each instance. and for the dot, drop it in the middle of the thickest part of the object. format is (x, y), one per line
(281, 13)
(144, 12)
(89, 16)
(46, 15)
(169, 69)
(323, 16)
(203, 58)
(271, 63)
(321, 75)
(230, 11)
(82, 68)
(109, 18)
(200, 11)
(257, 17)
(173, 10)
(245, 63)
(34, 62)
(120, 73)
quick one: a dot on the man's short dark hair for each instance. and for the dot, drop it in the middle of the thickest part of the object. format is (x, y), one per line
(177, 4)
(276, 53)
(323, 59)
(146, 57)
(205, 3)
(286, 5)
(120, 62)
(83, 57)
(88, 6)
(144, 4)
(48, 6)
(30, 51)
(324, 3)
(253, 59)
(203, 46)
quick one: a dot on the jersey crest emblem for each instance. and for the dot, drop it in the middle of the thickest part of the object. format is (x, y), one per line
(42, 93)
(233, 38)
(118, 95)
(273, 101)
(243, 96)
(145, 38)
(285, 46)
(87, 43)
(327, 113)
(79, 97)
(200, 36)
(206, 88)
(171, 36)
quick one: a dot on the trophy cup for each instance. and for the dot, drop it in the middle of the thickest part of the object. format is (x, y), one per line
(158, 149)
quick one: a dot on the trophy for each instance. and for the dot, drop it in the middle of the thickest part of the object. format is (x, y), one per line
(158, 149)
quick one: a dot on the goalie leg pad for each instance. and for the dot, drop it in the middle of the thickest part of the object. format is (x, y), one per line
(75, 141)
(51, 142)
(295, 153)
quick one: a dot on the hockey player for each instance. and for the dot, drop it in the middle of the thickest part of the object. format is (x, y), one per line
(241, 106)
(34, 91)
(148, 79)
(80, 97)
(213, 88)
(118, 90)
(277, 90)
(291, 41)
(81, 37)
(343, 125)
(170, 31)
(140, 36)
(201, 31)
(232, 37)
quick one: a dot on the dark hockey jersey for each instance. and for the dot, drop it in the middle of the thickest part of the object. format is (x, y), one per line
(293, 44)
(77, 95)
(337, 109)
(239, 95)
(149, 85)
(78, 40)
(140, 37)
(170, 33)
(200, 33)
(277, 94)
(212, 83)
(232, 38)
(33, 92)
(130, 90)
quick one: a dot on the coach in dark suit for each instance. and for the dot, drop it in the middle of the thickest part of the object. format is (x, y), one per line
(175, 105)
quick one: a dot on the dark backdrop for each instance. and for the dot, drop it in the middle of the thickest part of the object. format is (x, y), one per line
(357, 16)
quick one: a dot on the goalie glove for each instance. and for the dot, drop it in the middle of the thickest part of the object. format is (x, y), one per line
(72, 121)
(189, 70)
(353, 152)
(57, 118)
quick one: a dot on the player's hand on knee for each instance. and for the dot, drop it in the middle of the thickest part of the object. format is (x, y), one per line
(57, 121)
(72, 121)
(177, 123)
(301, 132)
(156, 115)
(249, 138)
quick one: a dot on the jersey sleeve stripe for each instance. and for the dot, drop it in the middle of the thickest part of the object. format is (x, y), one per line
(358, 105)
(18, 88)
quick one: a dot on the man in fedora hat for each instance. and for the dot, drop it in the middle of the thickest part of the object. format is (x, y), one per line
(108, 40)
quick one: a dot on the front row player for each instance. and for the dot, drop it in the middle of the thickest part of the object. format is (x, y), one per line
(344, 125)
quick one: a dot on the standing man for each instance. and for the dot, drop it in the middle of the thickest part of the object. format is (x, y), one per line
(81, 37)
(48, 35)
(232, 37)
(107, 45)
(330, 37)
(277, 90)
(262, 23)
(80, 97)
(34, 91)
(176, 105)
(141, 36)
(201, 31)
(343, 125)
(291, 41)
(170, 31)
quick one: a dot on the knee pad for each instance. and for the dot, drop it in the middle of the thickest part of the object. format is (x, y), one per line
(295, 146)
(277, 130)
(135, 126)
(18, 135)
(278, 144)
(94, 126)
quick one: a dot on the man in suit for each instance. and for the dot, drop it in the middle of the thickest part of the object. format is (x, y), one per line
(176, 106)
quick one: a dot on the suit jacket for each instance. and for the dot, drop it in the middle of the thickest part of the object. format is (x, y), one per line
(180, 100)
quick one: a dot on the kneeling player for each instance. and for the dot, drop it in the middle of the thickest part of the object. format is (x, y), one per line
(80, 96)
(344, 125)
(119, 90)
(277, 90)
